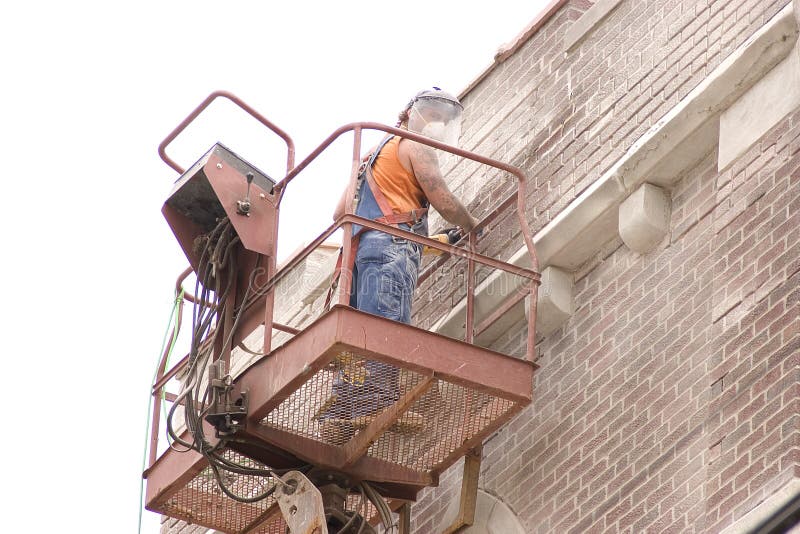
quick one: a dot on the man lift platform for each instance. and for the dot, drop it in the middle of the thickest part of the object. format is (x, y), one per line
(246, 450)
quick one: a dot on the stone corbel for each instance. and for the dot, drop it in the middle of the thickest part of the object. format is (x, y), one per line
(644, 218)
(555, 302)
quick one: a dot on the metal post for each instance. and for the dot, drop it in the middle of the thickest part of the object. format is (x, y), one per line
(269, 298)
(345, 271)
(405, 519)
(531, 349)
(154, 429)
(469, 491)
(469, 327)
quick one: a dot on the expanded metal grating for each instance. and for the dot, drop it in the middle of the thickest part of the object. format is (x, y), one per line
(299, 413)
(202, 501)
(452, 415)
(339, 401)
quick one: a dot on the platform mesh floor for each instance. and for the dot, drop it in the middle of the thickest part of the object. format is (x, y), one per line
(452, 414)
(423, 436)
(203, 502)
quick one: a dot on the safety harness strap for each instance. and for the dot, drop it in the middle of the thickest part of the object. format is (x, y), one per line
(389, 217)
(337, 271)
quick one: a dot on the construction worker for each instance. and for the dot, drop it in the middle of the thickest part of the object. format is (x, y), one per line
(400, 179)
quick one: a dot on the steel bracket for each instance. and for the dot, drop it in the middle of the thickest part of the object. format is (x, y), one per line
(469, 492)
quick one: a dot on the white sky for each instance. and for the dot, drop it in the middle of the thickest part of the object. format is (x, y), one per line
(89, 91)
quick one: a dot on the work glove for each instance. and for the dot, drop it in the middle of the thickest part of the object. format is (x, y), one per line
(449, 236)
(454, 234)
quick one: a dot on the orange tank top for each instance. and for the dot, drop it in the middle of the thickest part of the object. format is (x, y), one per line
(399, 186)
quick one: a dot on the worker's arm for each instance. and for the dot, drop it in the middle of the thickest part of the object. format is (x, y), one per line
(425, 166)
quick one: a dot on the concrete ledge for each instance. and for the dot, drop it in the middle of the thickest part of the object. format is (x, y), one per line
(676, 143)
(588, 22)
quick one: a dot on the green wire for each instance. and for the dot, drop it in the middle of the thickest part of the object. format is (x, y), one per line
(172, 319)
(178, 300)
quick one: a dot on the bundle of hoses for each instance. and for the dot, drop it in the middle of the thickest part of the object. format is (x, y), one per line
(357, 517)
(214, 279)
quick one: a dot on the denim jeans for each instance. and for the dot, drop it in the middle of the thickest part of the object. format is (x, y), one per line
(385, 275)
(384, 280)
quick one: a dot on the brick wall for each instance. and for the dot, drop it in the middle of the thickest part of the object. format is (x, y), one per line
(670, 400)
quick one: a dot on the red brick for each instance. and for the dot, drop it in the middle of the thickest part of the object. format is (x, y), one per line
(732, 501)
(744, 478)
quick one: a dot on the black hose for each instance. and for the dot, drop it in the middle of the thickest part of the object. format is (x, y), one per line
(216, 257)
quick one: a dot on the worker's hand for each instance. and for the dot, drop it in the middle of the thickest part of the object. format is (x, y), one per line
(453, 234)
(449, 236)
(456, 234)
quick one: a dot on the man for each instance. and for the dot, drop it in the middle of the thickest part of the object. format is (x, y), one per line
(401, 178)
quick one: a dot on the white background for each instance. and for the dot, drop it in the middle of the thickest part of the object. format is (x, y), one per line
(88, 91)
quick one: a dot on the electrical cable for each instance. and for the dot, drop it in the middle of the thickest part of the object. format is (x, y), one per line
(240, 312)
(176, 331)
(232, 466)
(380, 505)
(202, 317)
(365, 509)
(197, 429)
(216, 258)
(244, 348)
(239, 498)
(355, 512)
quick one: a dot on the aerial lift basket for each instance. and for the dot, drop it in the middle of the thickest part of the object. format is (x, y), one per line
(451, 394)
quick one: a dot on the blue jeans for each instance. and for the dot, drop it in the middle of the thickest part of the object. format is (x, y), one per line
(384, 280)
(385, 276)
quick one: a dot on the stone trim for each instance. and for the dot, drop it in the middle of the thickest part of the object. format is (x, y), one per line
(555, 302)
(644, 218)
(755, 113)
